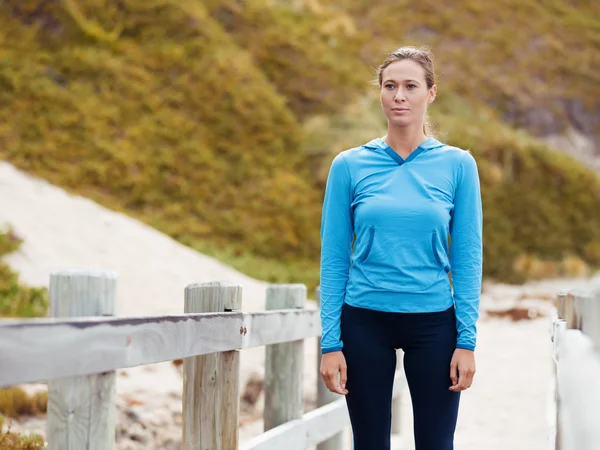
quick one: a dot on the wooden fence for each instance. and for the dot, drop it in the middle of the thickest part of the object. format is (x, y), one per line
(576, 353)
(79, 348)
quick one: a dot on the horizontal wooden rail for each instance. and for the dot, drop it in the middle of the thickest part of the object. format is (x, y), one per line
(46, 349)
(314, 427)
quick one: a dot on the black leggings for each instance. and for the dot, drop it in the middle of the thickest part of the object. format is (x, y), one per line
(370, 341)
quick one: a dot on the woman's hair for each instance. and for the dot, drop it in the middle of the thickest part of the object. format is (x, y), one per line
(421, 56)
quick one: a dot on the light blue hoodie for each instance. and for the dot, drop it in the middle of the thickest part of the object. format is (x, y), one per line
(384, 235)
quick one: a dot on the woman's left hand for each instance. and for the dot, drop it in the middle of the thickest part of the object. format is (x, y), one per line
(462, 369)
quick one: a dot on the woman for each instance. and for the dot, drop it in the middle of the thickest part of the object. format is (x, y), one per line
(399, 213)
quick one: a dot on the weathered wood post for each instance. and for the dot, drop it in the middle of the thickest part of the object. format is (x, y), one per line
(563, 304)
(284, 363)
(82, 410)
(590, 317)
(325, 396)
(568, 310)
(211, 382)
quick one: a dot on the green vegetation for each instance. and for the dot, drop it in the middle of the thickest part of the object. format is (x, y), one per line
(538, 203)
(17, 300)
(526, 59)
(215, 121)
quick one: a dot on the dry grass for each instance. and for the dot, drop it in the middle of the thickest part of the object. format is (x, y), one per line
(15, 441)
(533, 268)
(15, 402)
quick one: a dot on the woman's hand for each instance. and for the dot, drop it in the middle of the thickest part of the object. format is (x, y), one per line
(332, 364)
(462, 369)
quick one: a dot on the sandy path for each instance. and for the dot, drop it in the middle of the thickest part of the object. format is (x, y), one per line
(510, 397)
(506, 408)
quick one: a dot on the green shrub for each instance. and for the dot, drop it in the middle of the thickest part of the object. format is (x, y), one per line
(536, 201)
(310, 56)
(17, 300)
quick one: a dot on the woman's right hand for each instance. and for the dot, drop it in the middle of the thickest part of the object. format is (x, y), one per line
(332, 364)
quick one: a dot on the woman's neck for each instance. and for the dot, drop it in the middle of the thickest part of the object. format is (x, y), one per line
(404, 140)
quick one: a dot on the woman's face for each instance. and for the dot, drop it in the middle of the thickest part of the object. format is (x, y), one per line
(404, 94)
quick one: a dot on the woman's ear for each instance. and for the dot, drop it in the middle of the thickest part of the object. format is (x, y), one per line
(432, 93)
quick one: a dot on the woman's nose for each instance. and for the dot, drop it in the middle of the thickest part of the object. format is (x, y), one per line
(399, 95)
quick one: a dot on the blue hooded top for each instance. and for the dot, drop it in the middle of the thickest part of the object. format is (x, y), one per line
(393, 229)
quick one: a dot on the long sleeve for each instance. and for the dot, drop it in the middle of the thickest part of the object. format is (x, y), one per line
(337, 232)
(466, 251)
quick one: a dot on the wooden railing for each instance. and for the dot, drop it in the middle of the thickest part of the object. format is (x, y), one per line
(79, 348)
(576, 352)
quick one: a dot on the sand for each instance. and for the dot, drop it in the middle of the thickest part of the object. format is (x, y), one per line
(508, 406)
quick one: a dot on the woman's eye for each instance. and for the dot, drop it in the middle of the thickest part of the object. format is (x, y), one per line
(411, 86)
(389, 86)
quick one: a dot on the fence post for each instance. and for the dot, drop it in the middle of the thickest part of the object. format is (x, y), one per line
(211, 382)
(568, 309)
(284, 363)
(82, 410)
(590, 317)
(563, 304)
(325, 396)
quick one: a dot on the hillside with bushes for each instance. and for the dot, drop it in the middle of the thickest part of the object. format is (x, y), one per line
(216, 121)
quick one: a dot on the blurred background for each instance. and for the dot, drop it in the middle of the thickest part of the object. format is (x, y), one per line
(214, 122)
